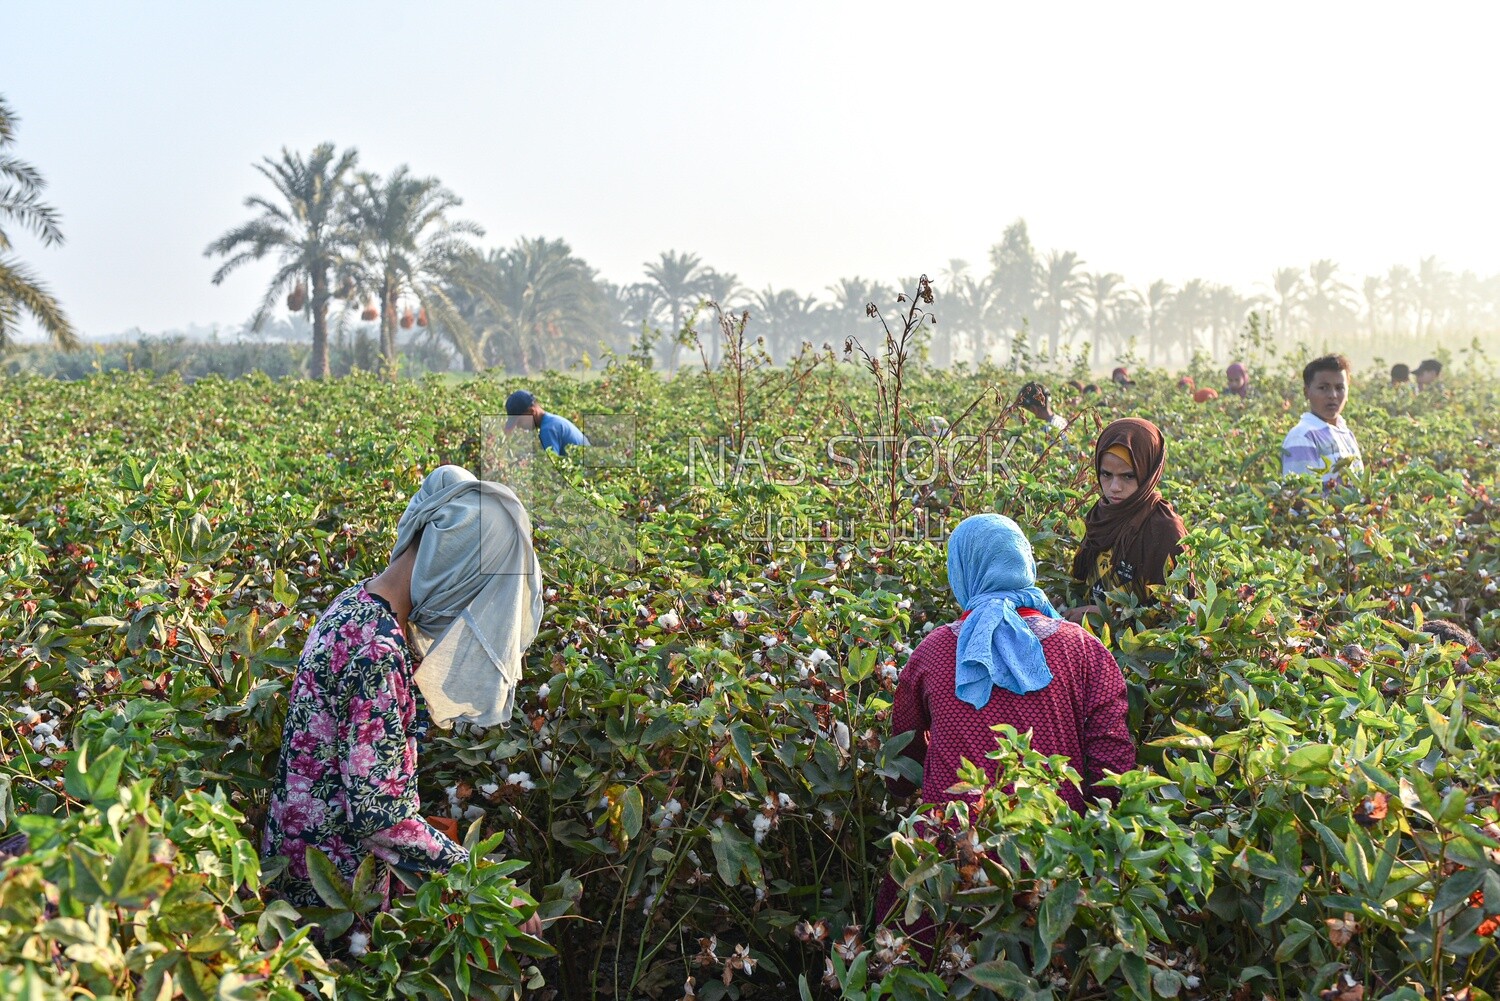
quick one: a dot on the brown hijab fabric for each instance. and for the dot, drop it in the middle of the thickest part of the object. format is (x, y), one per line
(1143, 531)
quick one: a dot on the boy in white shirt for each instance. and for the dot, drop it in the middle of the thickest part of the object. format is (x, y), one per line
(1321, 440)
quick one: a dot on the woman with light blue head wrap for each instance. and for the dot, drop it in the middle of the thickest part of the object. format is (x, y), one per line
(993, 574)
(1010, 659)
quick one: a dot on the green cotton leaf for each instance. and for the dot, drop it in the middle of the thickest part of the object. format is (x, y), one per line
(1456, 889)
(734, 855)
(1310, 758)
(278, 923)
(632, 811)
(1057, 911)
(97, 780)
(7, 804)
(1281, 896)
(328, 882)
(1137, 975)
(133, 879)
(741, 737)
(1002, 976)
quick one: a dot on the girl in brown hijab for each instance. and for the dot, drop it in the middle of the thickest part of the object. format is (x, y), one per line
(1131, 533)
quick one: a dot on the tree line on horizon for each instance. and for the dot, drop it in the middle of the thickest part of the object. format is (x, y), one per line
(388, 251)
(352, 247)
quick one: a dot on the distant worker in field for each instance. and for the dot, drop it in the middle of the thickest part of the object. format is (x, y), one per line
(1428, 373)
(1400, 375)
(1205, 394)
(1131, 534)
(1239, 380)
(1321, 440)
(1037, 401)
(448, 621)
(557, 433)
(1120, 377)
(1008, 659)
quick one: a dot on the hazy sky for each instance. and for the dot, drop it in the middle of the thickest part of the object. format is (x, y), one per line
(790, 143)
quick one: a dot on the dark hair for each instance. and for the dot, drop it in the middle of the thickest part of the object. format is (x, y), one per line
(1327, 363)
(1091, 388)
(1400, 373)
(1451, 632)
(1431, 365)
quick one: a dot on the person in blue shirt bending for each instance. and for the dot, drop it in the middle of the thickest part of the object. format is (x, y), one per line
(557, 433)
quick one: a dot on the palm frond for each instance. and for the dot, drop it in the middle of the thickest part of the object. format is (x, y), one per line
(21, 291)
(27, 208)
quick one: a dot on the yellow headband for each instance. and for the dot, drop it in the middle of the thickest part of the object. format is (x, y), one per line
(1122, 453)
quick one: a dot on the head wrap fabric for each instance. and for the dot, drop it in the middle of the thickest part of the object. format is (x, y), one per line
(1239, 379)
(1122, 453)
(992, 573)
(1205, 394)
(476, 593)
(1141, 530)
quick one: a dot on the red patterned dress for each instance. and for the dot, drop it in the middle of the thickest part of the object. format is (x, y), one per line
(1081, 714)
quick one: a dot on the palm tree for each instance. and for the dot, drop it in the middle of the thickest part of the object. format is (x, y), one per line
(1374, 290)
(1329, 302)
(1013, 278)
(21, 203)
(408, 247)
(1400, 288)
(1106, 298)
(723, 288)
(533, 306)
(1158, 301)
(1064, 293)
(1286, 294)
(307, 230)
(679, 281)
(787, 318)
(1188, 313)
(1433, 284)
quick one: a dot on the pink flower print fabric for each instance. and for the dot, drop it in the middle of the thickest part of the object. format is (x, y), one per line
(346, 781)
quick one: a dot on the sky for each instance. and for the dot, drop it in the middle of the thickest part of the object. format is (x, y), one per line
(792, 144)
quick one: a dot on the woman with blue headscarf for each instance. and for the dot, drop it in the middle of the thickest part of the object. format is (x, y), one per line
(1010, 658)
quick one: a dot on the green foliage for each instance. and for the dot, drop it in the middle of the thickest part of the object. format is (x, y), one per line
(700, 752)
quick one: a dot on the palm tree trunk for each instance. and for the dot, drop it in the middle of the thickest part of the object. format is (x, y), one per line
(388, 328)
(320, 299)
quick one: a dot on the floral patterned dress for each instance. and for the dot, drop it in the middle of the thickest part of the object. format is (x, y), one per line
(346, 783)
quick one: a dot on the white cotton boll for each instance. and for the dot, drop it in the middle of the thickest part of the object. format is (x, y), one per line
(929, 627)
(1192, 983)
(550, 593)
(547, 763)
(740, 617)
(1489, 588)
(888, 671)
(543, 692)
(762, 826)
(37, 740)
(647, 643)
(803, 671)
(757, 657)
(488, 788)
(474, 813)
(696, 678)
(673, 807)
(785, 802)
(817, 596)
(829, 820)
(27, 714)
(819, 657)
(452, 792)
(1335, 533)
(45, 763)
(641, 612)
(359, 943)
(45, 729)
(901, 647)
(669, 621)
(53, 741)
(841, 736)
(522, 779)
(904, 604)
